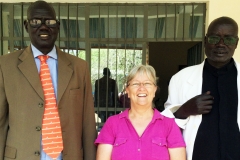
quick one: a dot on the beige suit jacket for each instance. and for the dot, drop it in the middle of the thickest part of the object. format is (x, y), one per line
(21, 107)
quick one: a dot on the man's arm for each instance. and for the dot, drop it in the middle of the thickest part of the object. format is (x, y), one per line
(3, 116)
(174, 100)
(200, 104)
(177, 106)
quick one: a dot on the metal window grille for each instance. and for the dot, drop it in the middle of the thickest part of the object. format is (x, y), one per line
(109, 35)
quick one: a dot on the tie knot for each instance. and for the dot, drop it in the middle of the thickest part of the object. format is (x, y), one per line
(43, 58)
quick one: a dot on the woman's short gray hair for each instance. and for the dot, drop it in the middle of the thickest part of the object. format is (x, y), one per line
(141, 69)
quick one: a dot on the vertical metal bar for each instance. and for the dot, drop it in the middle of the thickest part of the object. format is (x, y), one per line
(108, 22)
(1, 30)
(203, 29)
(108, 42)
(116, 44)
(11, 17)
(184, 12)
(145, 34)
(134, 38)
(192, 21)
(107, 47)
(99, 26)
(117, 27)
(175, 22)
(77, 44)
(166, 21)
(98, 46)
(22, 28)
(133, 27)
(88, 47)
(58, 14)
(125, 30)
(145, 24)
(87, 42)
(99, 59)
(68, 26)
(125, 43)
(157, 23)
(132, 45)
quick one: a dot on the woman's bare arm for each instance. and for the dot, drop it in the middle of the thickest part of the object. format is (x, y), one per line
(177, 153)
(104, 152)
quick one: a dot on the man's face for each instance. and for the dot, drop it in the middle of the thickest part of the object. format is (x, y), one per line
(42, 37)
(220, 54)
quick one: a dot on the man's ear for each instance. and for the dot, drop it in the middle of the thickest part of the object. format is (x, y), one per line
(26, 25)
(58, 25)
(205, 41)
(237, 43)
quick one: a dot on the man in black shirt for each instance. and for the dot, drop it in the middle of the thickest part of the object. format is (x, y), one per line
(106, 93)
(204, 98)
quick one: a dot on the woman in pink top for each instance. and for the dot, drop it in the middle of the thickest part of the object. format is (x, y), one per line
(140, 132)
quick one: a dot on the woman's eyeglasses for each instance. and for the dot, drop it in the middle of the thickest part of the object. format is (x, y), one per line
(145, 84)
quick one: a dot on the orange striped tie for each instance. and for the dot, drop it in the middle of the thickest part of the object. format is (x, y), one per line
(51, 128)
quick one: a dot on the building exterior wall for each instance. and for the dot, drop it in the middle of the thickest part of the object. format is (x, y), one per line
(228, 8)
(215, 8)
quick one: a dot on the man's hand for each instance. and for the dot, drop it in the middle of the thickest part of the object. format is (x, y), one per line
(201, 104)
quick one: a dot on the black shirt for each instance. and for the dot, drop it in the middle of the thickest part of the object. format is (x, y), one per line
(218, 136)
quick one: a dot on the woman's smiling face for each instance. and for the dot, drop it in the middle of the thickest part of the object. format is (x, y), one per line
(141, 90)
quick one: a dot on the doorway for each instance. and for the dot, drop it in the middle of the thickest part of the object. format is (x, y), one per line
(168, 58)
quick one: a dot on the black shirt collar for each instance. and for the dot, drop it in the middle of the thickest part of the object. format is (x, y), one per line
(221, 70)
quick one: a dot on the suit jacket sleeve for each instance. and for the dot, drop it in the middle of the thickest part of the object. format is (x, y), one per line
(89, 125)
(3, 115)
(174, 101)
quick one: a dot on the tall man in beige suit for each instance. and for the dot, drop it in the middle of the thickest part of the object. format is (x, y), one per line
(22, 98)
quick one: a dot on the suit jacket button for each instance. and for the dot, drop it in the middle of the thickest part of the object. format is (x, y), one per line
(38, 128)
(37, 153)
(40, 105)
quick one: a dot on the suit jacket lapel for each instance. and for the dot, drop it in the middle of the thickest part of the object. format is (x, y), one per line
(64, 73)
(29, 70)
(195, 81)
(238, 86)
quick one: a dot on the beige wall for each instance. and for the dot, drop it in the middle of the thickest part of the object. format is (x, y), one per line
(228, 8)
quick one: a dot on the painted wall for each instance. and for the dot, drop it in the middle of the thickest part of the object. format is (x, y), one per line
(228, 8)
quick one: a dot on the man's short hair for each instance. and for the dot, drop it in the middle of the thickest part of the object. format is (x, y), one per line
(106, 72)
